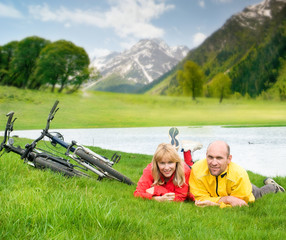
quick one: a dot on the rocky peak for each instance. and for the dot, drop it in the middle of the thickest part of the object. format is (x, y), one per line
(144, 62)
(255, 15)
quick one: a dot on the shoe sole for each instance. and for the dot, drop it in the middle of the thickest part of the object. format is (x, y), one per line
(173, 132)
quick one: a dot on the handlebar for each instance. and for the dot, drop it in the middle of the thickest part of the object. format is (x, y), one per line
(8, 129)
(53, 110)
(10, 116)
(52, 115)
(30, 147)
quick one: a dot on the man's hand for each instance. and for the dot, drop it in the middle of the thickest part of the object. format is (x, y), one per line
(233, 201)
(165, 197)
(205, 203)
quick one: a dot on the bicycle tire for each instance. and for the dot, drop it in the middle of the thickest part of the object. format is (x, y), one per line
(45, 163)
(105, 168)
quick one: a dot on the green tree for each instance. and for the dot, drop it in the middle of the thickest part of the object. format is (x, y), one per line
(191, 79)
(24, 61)
(220, 86)
(279, 88)
(7, 53)
(62, 63)
(90, 73)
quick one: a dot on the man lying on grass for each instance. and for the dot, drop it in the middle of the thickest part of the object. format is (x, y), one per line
(217, 181)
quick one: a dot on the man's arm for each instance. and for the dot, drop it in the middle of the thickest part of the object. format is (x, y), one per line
(242, 189)
(233, 201)
(205, 203)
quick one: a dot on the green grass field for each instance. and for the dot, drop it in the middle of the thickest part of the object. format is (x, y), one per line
(38, 204)
(100, 109)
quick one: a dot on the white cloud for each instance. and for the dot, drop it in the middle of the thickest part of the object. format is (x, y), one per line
(9, 11)
(202, 3)
(99, 52)
(198, 38)
(129, 18)
(128, 43)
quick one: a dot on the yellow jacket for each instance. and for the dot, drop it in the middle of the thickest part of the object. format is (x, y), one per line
(233, 182)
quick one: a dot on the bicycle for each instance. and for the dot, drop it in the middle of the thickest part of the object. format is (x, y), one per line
(88, 159)
(34, 157)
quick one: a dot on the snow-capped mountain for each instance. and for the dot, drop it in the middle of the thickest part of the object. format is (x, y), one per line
(255, 15)
(146, 61)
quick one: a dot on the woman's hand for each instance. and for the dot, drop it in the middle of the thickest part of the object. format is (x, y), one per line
(150, 190)
(166, 197)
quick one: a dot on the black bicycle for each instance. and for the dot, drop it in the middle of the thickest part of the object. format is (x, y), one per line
(86, 158)
(36, 158)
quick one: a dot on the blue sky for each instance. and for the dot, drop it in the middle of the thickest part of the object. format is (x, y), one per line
(101, 26)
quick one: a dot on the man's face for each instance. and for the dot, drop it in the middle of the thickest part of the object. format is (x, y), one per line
(217, 158)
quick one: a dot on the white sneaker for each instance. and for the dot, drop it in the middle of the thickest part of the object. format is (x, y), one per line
(271, 181)
(191, 145)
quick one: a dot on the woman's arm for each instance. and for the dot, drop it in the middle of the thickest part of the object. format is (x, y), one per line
(145, 182)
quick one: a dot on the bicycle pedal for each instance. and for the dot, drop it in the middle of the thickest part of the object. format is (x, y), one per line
(115, 158)
(53, 143)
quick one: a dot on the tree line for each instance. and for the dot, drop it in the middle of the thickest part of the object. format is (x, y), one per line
(36, 63)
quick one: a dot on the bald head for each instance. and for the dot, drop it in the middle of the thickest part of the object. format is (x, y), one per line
(218, 157)
(223, 146)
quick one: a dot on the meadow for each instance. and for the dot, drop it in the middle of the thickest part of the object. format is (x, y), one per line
(44, 205)
(101, 110)
(38, 204)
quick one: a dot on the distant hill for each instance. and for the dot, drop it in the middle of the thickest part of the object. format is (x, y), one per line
(132, 69)
(248, 47)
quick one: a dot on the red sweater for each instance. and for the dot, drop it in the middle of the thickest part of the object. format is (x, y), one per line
(146, 181)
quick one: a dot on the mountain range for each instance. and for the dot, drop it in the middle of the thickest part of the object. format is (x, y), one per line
(138, 66)
(249, 47)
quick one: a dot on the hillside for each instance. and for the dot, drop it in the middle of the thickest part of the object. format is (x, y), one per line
(248, 46)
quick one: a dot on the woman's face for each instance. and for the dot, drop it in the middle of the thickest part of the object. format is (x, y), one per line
(167, 167)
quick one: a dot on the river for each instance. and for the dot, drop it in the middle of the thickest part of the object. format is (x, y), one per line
(259, 149)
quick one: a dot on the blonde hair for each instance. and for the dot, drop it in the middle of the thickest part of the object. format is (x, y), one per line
(167, 151)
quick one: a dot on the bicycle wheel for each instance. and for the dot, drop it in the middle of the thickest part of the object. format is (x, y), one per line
(44, 163)
(108, 171)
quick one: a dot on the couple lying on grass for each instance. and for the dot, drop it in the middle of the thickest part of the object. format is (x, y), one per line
(214, 181)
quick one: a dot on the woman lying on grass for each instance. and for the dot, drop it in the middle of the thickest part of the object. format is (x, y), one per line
(166, 177)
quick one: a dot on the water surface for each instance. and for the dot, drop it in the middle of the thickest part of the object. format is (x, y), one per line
(258, 149)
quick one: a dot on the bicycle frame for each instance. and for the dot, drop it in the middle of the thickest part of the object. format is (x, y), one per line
(75, 148)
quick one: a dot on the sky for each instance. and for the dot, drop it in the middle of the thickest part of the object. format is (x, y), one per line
(104, 26)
